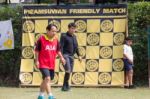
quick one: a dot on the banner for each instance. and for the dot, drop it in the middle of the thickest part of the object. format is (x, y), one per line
(100, 33)
(6, 35)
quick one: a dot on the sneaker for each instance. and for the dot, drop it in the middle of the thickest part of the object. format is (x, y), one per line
(41, 97)
(68, 87)
(126, 86)
(51, 97)
(64, 88)
(132, 87)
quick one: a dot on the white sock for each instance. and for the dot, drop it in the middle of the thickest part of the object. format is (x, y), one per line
(50, 94)
(41, 94)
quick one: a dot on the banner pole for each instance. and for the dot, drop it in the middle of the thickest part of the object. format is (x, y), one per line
(148, 31)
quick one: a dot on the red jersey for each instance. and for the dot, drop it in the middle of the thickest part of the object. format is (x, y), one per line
(47, 51)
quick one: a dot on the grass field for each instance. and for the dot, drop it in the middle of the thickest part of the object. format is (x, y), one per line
(77, 93)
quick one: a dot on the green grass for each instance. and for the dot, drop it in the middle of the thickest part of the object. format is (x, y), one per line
(77, 93)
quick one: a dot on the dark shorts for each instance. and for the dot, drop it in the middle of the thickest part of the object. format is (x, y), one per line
(46, 72)
(127, 66)
(69, 63)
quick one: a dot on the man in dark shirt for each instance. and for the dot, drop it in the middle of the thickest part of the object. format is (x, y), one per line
(69, 46)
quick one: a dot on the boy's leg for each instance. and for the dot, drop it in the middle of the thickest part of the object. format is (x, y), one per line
(48, 87)
(50, 77)
(66, 82)
(42, 87)
(128, 74)
(126, 79)
(131, 77)
(42, 90)
(67, 68)
(45, 86)
(71, 59)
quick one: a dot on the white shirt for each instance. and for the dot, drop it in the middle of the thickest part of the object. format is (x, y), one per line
(128, 51)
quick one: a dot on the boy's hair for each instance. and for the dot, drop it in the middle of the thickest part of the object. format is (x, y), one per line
(72, 25)
(128, 39)
(49, 27)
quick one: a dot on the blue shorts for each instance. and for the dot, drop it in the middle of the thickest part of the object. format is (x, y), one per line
(127, 66)
(46, 72)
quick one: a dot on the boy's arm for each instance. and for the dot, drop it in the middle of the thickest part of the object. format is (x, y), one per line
(61, 58)
(77, 51)
(62, 42)
(36, 59)
(37, 50)
(125, 51)
(79, 56)
(126, 56)
(59, 53)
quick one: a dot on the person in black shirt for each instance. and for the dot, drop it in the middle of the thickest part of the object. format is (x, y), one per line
(69, 46)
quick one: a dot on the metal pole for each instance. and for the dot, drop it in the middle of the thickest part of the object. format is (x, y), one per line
(148, 31)
(38, 1)
(58, 2)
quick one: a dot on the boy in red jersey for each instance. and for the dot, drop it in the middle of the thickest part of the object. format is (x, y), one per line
(47, 47)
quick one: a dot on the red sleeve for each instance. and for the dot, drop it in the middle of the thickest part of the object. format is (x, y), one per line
(58, 46)
(38, 45)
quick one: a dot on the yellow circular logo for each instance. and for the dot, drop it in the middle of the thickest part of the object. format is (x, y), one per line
(27, 52)
(55, 22)
(106, 52)
(55, 80)
(28, 26)
(82, 51)
(93, 39)
(78, 78)
(92, 65)
(81, 26)
(106, 25)
(119, 38)
(118, 65)
(26, 78)
(104, 78)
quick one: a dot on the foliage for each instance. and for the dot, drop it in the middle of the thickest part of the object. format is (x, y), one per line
(10, 59)
(139, 19)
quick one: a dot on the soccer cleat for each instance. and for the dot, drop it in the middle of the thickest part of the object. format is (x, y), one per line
(41, 97)
(51, 97)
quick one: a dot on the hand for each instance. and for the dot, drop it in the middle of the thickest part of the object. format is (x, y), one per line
(37, 63)
(80, 58)
(63, 61)
(131, 62)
